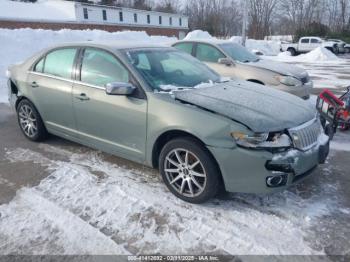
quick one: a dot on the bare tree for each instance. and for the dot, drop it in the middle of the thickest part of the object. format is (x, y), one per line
(261, 14)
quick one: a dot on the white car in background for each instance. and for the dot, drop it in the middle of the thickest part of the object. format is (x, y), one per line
(341, 45)
(347, 48)
(307, 44)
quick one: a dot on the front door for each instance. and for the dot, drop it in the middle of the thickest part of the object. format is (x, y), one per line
(116, 124)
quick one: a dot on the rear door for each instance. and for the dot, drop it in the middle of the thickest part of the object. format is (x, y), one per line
(115, 124)
(304, 45)
(314, 43)
(186, 47)
(51, 84)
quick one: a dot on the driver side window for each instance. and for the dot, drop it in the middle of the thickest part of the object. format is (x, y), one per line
(100, 68)
(208, 53)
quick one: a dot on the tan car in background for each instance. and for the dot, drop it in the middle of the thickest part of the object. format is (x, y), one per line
(234, 61)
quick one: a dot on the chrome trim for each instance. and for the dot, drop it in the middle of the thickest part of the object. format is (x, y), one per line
(67, 80)
(306, 136)
(51, 76)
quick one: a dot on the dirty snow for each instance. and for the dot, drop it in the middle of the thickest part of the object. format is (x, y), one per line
(17, 45)
(88, 205)
(55, 10)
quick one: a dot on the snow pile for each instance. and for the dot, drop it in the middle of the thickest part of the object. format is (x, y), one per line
(320, 54)
(54, 10)
(270, 48)
(198, 34)
(19, 44)
(88, 201)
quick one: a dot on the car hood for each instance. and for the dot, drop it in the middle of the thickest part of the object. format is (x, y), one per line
(280, 68)
(260, 108)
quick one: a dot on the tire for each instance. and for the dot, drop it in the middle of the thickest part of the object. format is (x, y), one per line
(336, 50)
(191, 182)
(292, 51)
(30, 121)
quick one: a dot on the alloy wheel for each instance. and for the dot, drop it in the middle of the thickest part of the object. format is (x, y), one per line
(28, 121)
(185, 172)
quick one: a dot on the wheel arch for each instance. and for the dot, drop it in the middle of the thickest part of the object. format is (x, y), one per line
(170, 135)
(173, 134)
(256, 81)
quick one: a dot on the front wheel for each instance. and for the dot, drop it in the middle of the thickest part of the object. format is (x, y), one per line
(30, 121)
(189, 171)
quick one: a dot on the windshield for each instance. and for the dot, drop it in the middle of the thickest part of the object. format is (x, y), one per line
(239, 53)
(164, 68)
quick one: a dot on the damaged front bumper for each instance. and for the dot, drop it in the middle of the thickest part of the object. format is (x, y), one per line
(254, 171)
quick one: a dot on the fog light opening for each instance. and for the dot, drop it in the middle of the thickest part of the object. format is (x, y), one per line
(277, 180)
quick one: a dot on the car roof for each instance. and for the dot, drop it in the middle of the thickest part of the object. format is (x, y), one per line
(114, 45)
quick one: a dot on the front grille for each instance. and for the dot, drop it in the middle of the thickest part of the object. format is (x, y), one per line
(306, 136)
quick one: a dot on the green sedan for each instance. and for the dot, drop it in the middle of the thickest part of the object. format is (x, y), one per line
(163, 108)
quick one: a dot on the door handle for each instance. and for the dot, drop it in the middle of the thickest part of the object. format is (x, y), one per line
(34, 85)
(82, 97)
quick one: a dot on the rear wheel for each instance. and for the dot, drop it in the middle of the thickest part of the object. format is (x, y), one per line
(292, 51)
(30, 121)
(189, 171)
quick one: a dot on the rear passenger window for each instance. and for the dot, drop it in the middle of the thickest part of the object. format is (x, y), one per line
(60, 62)
(100, 68)
(305, 41)
(208, 53)
(39, 67)
(186, 47)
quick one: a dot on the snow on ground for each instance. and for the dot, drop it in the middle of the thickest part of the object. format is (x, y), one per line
(91, 206)
(318, 55)
(42, 10)
(17, 45)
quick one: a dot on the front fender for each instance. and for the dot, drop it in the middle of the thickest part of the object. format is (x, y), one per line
(166, 115)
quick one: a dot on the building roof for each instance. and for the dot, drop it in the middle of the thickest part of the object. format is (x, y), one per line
(54, 10)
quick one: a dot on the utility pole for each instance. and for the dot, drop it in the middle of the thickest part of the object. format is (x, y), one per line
(245, 21)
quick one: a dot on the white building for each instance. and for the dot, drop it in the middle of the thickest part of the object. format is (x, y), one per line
(57, 14)
(127, 16)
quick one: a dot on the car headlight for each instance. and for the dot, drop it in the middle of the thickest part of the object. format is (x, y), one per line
(288, 80)
(262, 140)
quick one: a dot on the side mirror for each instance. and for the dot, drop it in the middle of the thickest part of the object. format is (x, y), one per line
(119, 89)
(226, 61)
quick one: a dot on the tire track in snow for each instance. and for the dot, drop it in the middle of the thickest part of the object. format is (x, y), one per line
(32, 224)
(143, 217)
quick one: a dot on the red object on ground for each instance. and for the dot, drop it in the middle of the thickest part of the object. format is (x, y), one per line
(331, 99)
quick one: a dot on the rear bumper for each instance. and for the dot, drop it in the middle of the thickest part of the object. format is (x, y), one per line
(248, 171)
(12, 97)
